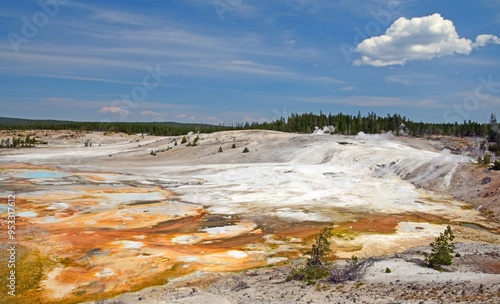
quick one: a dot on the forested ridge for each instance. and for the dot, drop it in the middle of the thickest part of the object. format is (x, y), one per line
(371, 123)
(153, 128)
(297, 123)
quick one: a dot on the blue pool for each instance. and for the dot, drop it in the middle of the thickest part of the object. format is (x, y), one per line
(41, 174)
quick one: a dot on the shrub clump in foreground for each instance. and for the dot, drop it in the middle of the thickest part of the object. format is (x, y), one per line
(318, 265)
(352, 270)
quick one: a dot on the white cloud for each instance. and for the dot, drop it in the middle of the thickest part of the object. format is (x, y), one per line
(398, 79)
(373, 101)
(114, 110)
(483, 40)
(348, 88)
(419, 38)
(154, 115)
(251, 119)
(362, 101)
(118, 17)
(414, 79)
(114, 52)
(63, 102)
(228, 7)
(212, 118)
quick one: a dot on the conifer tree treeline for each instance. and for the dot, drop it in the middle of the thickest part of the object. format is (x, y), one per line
(371, 123)
(297, 123)
(152, 128)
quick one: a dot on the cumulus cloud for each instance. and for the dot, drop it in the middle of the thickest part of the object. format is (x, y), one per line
(114, 110)
(419, 38)
(483, 40)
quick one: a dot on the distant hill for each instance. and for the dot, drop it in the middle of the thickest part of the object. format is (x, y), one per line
(296, 123)
(8, 121)
(153, 128)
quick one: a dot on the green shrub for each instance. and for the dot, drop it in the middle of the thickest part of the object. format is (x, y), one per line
(442, 250)
(496, 165)
(321, 248)
(387, 270)
(317, 264)
(246, 150)
(495, 148)
(184, 140)
(220, 150)
(487, 159)
(233, 146)
(308, 274)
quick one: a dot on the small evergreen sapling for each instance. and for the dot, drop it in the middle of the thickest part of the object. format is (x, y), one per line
(496, 165)
(317, 264)
(321, 249)
(442, 250)
(487, 159)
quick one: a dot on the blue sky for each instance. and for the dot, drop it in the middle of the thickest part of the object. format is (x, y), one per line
(229, 61)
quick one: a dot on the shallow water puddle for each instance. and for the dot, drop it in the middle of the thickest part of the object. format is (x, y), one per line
(472, 226)
(38, 174)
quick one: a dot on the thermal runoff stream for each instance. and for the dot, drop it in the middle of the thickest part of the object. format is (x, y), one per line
(99, 221)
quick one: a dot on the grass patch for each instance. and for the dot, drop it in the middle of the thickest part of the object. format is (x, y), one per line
(30, 268)
(322, 287)
(467, 207)
(489, 215)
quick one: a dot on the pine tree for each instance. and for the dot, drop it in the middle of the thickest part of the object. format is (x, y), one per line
(321, 248)
(496, 165)
(442, 250)
(487, 159)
